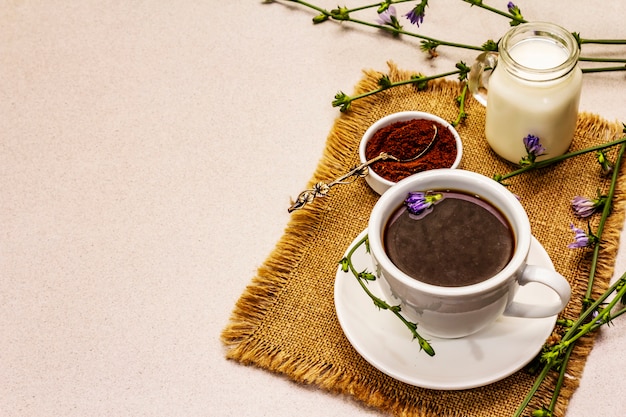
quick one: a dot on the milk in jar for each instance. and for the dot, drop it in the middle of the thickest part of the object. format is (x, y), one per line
(534, 90)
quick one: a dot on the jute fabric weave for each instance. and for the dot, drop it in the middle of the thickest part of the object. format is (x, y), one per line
(285, 321)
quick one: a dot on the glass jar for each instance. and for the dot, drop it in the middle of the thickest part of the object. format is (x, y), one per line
(530, 87)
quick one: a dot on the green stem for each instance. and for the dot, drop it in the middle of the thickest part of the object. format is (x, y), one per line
(592, 326)
(396, 31)
(462, 113)
(603, 69)
(574, 333)
(376, 300)
(312, 6)
(570, 335)
(597, 324)
(385, 27)
(480, 4)
(397, 84)
(561, 379)
(593, 307)
(369, 6)
(477, 3)
(604, 41)
(605, 214)
(424, 344)
(532, 391)
(590, 59)
(550, 161)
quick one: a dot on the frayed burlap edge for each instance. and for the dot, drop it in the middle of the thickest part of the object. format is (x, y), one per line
(262, 293)
(605, 270)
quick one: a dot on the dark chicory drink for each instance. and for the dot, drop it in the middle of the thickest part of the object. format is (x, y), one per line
(459, 240)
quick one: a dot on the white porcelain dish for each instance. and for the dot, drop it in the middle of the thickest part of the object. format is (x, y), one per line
(469, 362)
(380, 184)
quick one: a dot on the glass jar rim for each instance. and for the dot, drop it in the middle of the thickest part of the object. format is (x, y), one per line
(539, 30)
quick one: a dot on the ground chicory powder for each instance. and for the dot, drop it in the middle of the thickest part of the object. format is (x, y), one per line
(405, 140)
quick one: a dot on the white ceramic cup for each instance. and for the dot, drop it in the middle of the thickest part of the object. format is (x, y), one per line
(452, 312)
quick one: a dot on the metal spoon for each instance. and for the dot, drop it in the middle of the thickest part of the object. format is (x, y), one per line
(321, 189)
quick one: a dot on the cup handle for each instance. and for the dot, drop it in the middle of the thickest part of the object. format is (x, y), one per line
(478, 80)
(549, 278)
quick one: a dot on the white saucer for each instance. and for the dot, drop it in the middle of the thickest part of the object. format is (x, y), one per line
(480, 359)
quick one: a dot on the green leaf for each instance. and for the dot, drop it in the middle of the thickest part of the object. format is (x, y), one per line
(345, 264)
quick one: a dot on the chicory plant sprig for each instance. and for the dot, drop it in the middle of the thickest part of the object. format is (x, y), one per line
(557, 356)
(550, 161)
(388, 21)
(365, 276)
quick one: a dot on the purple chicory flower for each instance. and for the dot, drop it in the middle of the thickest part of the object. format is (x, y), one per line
(596, 315)
(416, 15)
(388, 17)
(416, 201)
(585, 207)
(516, 12)
(533, 145)
(511, 6)
(582, 239)
(534, 148)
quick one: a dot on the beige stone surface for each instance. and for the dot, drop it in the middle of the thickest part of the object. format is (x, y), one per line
(148, 152)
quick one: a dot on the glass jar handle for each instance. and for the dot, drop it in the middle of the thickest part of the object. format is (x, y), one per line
(480, 72)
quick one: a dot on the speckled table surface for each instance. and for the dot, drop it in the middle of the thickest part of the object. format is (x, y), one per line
(147, 157)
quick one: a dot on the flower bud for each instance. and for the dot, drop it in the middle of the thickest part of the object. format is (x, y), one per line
(320, 18)
(543, 412)
(606, 166)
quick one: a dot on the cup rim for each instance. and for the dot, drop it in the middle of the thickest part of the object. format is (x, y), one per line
(380, 183)
(391, 199)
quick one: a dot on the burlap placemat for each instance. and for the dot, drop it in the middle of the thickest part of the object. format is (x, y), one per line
(285, 321)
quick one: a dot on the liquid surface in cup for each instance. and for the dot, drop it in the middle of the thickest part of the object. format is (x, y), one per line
(461, 240)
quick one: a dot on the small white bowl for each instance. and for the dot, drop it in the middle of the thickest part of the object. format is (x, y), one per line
(380, 184)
